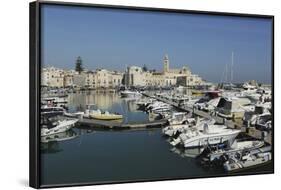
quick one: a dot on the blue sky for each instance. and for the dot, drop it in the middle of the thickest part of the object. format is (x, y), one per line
(114, 39)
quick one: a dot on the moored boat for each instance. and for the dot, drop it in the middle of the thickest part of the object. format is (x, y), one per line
(105, 115)
(236, 147)
(246, 161)
(129, 94)
(210, 135)
(49, 127)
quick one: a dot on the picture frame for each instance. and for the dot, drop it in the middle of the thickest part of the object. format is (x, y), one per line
(36, 45)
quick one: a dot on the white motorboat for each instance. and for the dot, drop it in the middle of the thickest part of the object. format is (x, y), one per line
(75, 114)
(129, 94)
(162, 108)
(145, 101)
(155, 104)
(208, 106)
(264, 121)
(172, 130)
(54, 101)
(52, 111)
(210, 135)
(248, 87)
(260, 113)
(101, 115)
(49, 127)
(236, 147)
(178, 118)
(67, 135)
(246, 161)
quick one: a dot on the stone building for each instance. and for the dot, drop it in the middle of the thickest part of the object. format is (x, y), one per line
(135, 76)
(52, 77)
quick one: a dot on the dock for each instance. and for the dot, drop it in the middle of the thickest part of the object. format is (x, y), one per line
(119, 125)
(252, 132)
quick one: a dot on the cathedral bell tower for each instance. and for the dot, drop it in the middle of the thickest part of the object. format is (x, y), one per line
(166, 63)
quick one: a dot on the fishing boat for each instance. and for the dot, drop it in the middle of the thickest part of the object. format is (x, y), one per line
(50, 126)
(105, 115)
(210, 135)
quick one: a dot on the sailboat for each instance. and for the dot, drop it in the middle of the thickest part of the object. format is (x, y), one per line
(228, 84)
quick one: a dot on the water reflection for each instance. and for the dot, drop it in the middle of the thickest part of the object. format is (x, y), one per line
(107, 102)
(101, 100)
(190, 153)
(51, 147)
(52, 143)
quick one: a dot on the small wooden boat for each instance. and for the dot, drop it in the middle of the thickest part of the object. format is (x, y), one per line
(105, 115)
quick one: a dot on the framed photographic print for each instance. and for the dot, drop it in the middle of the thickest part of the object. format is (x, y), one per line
(131, 94)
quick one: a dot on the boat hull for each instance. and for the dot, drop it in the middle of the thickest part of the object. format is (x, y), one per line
(60, 128)
(210, 140)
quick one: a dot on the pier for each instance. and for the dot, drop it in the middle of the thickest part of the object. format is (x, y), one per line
(119, 125)
(253, 132)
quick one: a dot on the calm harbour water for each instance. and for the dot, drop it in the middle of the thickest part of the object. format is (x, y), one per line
(84, 155)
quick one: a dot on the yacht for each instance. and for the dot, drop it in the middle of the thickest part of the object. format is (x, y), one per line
(49, 127)
(210, 135)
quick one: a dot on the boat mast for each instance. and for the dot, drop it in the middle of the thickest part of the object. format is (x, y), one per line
(232, 56)
(226, 72)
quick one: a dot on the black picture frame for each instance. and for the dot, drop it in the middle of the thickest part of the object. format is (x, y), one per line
(34, 81)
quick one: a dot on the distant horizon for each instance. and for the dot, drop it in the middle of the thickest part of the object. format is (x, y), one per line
(114, 39)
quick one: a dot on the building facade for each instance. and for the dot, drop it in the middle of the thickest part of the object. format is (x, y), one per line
(100, 78)
(135, 76)
(52, 77)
